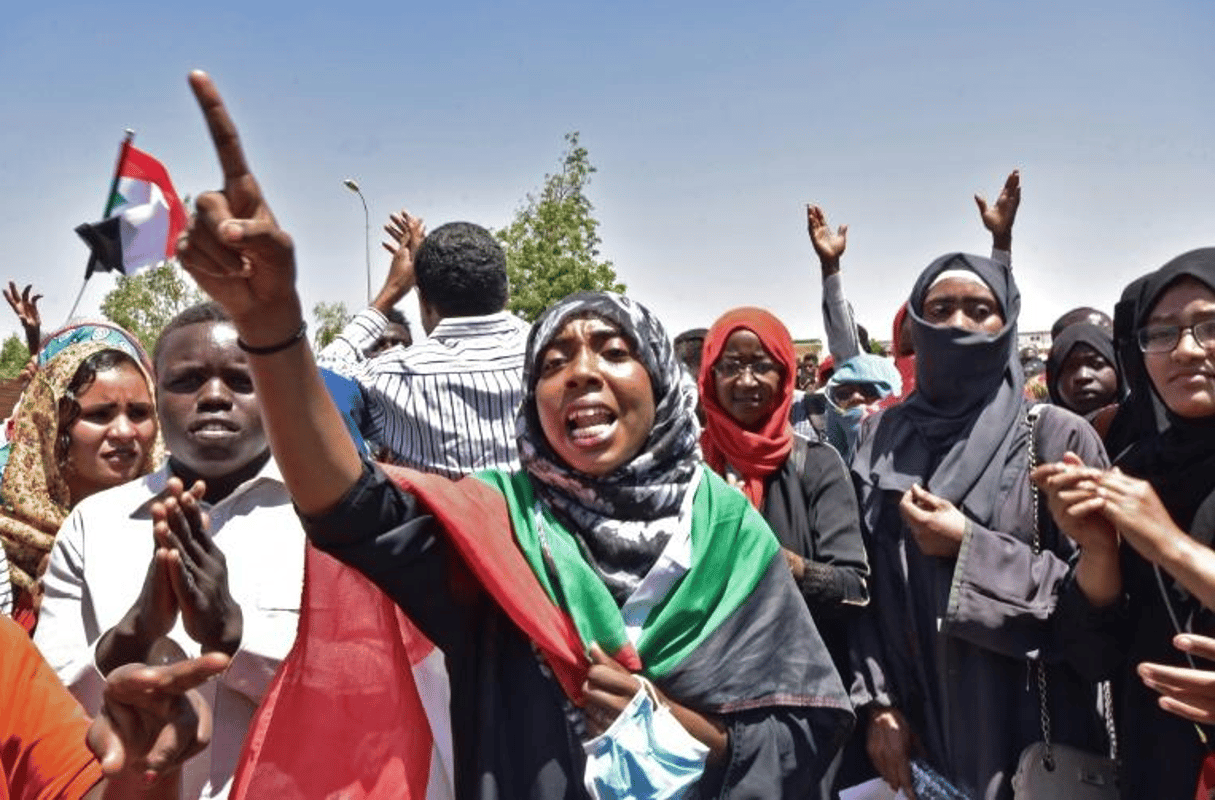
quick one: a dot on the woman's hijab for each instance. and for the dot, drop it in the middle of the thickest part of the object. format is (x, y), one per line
(622, 520)
(1176, 455)
(1076, 335)
(953, 434)
(904, 362)
(754, 454)
(34, 496)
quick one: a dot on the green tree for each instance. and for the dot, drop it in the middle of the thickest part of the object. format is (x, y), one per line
(13, 356)
(144, 303)
(552, 246)
(330, 319)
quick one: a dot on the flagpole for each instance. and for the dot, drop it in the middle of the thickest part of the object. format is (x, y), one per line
(109, 198)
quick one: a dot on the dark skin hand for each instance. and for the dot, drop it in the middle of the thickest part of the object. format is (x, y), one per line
(999, 217)
(937, 525)
(828, 244)
(26, 309)
(890, 743)
(608, 689)
(198, 571)
(1188, 693)
(407, 233)
(187, 575)
(150, 723)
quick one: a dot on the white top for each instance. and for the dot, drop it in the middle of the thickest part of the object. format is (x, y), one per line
(97, 569)
(6, 589)
(444, 405)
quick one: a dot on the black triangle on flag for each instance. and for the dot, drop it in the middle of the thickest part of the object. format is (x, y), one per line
(105, 244)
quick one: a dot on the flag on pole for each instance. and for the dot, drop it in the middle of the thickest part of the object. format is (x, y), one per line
(142, 220)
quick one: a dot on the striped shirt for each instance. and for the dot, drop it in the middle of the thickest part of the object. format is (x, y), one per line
(6, 589)
(444, 405)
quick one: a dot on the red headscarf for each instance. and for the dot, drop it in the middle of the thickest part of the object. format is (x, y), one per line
(904, 362)
(755, 454)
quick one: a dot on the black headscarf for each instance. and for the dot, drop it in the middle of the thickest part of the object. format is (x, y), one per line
(953, 434)
(1074, 335)
(1176, 455)
(622, 520)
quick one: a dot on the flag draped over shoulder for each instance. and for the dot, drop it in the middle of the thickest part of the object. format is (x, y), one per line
(142, 219)
(348, 715)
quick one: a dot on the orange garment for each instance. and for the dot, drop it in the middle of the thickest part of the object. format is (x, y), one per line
(42, 727)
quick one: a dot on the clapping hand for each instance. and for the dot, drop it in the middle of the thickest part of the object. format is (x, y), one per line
(407, 233)
(197, 570)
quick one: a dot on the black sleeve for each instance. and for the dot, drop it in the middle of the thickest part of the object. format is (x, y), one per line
(383, 532)
(836, 576)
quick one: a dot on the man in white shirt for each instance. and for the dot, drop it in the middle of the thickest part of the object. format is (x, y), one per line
(117, 593)
(446, 404)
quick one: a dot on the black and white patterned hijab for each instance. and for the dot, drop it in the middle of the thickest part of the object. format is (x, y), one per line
(622, 520)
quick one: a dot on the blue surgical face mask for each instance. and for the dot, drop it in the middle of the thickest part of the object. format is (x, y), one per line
(844, 426)
(645, 754)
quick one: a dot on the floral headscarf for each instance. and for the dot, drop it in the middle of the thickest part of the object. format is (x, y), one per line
(34, 496)
(622, 520)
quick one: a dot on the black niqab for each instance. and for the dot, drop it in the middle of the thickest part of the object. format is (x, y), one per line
(954, 433)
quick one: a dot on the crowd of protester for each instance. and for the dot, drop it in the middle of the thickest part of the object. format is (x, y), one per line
(582, 559)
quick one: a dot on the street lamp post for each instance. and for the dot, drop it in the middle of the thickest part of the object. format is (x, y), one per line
(353, 186)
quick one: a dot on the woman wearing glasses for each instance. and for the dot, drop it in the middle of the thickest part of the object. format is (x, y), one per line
(1159, 500)
(746, 384)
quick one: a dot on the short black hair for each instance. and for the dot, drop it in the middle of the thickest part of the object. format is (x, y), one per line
(394, 315)
(461, 271)
(209, 311)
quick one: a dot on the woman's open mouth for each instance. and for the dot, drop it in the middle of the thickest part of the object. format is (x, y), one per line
(590, 426)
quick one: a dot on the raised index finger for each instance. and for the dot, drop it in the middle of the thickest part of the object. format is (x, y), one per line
(223, 130)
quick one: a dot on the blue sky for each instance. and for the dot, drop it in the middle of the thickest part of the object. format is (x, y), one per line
(711, 125)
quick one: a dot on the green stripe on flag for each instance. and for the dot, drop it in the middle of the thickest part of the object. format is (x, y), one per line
(732, 546)
(116, 201)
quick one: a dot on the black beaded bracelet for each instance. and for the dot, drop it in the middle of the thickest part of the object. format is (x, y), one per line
(273, 348)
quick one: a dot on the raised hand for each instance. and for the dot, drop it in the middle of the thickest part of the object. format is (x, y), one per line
(999, 218)
(234, 247)
(407, 233)
(26, 309)
(151, 721)
(937, 525)
(197, 570)
(829, 245)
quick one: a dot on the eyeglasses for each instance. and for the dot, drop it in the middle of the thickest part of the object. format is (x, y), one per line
(1164, 338)
(758, 369)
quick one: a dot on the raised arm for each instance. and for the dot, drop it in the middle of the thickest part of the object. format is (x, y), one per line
(842, 340)
(26, 309)
(238, 253)
(999, 217)
(347, 352)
